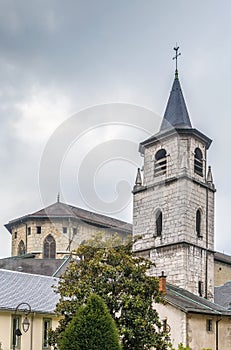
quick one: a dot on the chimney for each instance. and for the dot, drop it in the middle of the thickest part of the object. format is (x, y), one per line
(162, 283)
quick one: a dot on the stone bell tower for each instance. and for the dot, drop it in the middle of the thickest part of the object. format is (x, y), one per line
(174, 201)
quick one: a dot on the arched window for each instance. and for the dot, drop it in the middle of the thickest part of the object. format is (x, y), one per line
(21, 248)
(198, 223)
(49, 247)
(160, 162)
(198, 162)
(159, 219)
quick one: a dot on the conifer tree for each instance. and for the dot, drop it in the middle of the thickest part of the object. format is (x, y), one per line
(92, 328)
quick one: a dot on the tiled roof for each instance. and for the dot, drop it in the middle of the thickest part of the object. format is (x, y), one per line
(37, 291)
(189, 302)
(62, 210)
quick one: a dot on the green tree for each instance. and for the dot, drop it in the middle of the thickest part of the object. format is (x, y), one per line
(180, 347)
(92, 328)
(121, 279)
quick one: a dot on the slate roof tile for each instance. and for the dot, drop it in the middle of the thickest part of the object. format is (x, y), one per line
(176, 114)
(222, 295)
(37, 291)
(189, 302)
(63, 210)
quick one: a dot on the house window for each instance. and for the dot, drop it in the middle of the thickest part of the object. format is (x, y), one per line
(160, 162)
(38, 229)
(64, 229)
(74, 230)
(46, 328)
(200, 288)
(198, 162)
(21, 248)
(159, 219)
(198, 223)
(49, 247)
(15, 235)
(15, 332)
(28, 231)
(209, 325)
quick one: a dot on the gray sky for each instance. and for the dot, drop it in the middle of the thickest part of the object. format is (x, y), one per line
(58, 58)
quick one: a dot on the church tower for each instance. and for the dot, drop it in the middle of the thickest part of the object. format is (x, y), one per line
(174, 201)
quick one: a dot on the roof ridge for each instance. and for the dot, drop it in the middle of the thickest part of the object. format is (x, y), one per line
(26, 274)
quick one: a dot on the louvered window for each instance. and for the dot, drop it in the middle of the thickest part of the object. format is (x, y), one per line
(160, 162)
(198, 162)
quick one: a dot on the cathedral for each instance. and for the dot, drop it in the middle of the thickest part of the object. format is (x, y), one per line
(173, 224)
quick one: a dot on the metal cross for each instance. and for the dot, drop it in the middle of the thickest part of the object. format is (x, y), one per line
(177, 54)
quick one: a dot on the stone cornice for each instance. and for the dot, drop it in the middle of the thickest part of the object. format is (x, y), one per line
(185, 243)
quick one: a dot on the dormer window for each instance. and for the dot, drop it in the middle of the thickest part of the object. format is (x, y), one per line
(198, 162)
(160, 162)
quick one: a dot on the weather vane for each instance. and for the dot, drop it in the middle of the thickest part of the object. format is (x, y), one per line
(177, 54)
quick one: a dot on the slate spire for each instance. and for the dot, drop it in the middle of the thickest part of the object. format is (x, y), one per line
(176, 114)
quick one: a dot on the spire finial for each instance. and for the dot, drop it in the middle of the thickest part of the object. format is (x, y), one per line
(209, 175)
(138, 182)
(58, 197)
(176, 48)
(138, 178)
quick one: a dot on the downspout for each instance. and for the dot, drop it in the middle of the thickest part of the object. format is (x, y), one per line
(217, 333)
(31, 331)
(186, 330)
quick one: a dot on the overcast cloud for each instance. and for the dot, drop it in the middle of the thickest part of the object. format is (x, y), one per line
(58, 58)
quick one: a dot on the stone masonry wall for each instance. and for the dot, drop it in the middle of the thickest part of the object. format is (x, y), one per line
(178, 194)
(35, 240)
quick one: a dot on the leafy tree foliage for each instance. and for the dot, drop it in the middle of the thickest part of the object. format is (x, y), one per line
(181, 347)
(92, 328)
(121, 279)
